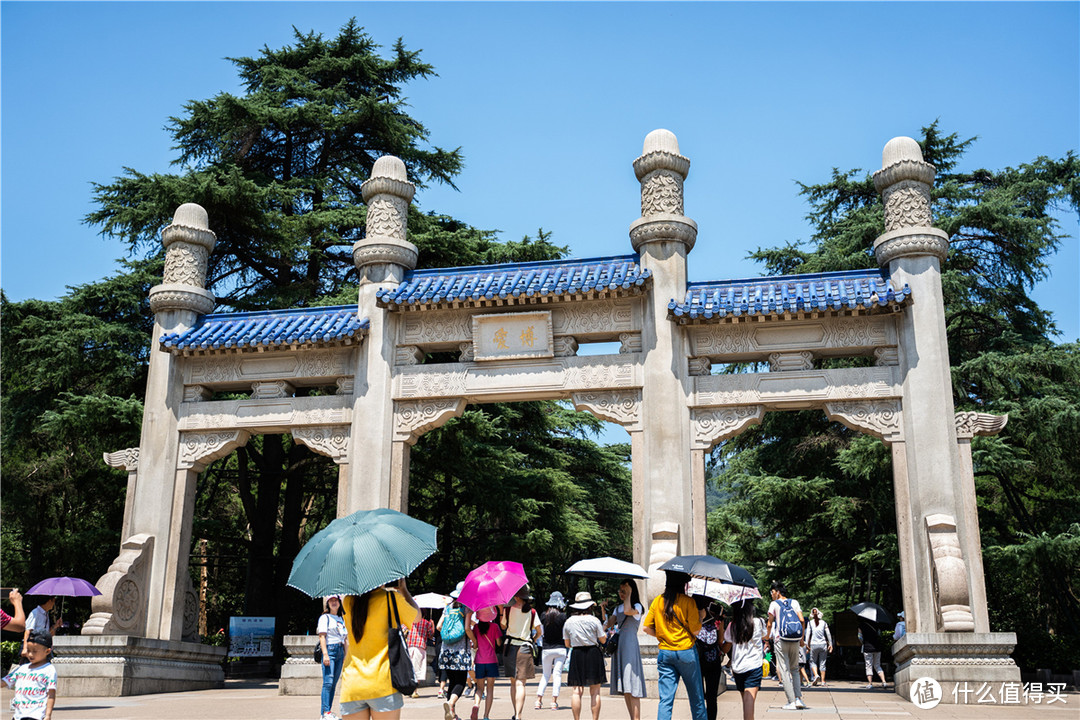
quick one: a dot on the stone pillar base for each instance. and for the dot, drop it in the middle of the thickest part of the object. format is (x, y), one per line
(953, 659)
(300, 675)
(119, 665)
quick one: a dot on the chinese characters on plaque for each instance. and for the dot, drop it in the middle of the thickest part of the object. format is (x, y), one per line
(512, 336)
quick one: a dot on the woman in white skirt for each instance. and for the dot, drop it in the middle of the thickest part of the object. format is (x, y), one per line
(583, 634)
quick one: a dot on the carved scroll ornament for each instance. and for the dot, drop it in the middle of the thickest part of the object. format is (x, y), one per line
(881, 418)
(329, 440)
(952, 601)
(622, 407)
(708, 426)
(414, 418)
(128, 459)
(198, 449)
(970, 424)
(120, 609)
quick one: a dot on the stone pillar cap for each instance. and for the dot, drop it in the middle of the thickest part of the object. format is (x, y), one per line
(391, 167)
(899, 149)
(661, 152)
(388, 176)
(661, 140)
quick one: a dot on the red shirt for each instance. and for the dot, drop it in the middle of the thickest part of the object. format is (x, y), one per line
(419, 632)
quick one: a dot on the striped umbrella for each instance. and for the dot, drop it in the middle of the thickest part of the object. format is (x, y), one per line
(360, 552)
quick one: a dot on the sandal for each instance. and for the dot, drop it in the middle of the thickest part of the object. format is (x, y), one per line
(539, 704)
(554, 704)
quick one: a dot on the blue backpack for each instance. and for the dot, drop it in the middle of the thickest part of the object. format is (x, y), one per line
(788, 624)
(453, 627)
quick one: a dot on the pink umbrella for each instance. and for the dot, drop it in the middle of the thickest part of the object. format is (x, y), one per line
(493, 583)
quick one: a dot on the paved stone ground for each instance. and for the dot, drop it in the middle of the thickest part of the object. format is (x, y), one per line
(250, 699)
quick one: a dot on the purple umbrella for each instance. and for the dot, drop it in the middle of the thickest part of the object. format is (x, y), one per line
(67, 586)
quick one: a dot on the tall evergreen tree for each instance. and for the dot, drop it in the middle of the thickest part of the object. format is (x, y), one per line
(812, 500)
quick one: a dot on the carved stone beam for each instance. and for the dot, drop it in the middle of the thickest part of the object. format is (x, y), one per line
(329, 440)
(708, 426)
(263, 390)
(950, 576)
(629, 342)
(700, 366)
(618, 406)
(127, 459)
(789, 361)
(408, 355)
(345, 385)
(881, 418)
(970, 424)
(566, 346)
(199, 449)
(415, 417)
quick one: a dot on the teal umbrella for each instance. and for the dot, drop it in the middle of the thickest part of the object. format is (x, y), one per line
(360, 552)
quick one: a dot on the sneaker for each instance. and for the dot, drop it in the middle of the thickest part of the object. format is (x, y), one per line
(868, 686)
(448, 714)
(800, 704)
(475, 712)
(468, 692)
(790, 706)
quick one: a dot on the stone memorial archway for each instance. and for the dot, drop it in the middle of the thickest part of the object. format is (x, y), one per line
(516, 330)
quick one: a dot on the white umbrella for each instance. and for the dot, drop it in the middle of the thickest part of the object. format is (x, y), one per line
(434, 601)
(606, 567)
(724, 592)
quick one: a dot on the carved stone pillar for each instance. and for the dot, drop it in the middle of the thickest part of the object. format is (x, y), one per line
(128, 460)
(382, 258)
(935, 551)
(157, 509)
(663, 236)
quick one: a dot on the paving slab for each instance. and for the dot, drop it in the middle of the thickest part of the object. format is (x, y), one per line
(259, 699)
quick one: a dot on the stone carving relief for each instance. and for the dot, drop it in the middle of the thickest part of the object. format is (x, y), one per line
(726, 339)
(796, 389)
(345, 385)
(372, 252)
(629, 343)
(748, 339)
(120, 609)
(197, 393)
(185, 264)
(386, 216)
(903, 242)
(970, 424)
(700, 366)
(662, 192)
(950, 576)
(708, 426)
(622, 407)
(467, 352)
(329, 440)
(263, 390)
(437, 326)
(787, 362)
(181, 297)
(907, 204)
(887, 356)
(881, 418)
(190, 629)
(408, 355)
(199, 449)
(269, 415)
(593, 316)
(128, 459)
(665, 545)
(413, 419)
(589, 375)
(566, 346)
(216, 370)
(644, 230)
(855, 332)
(321, 363)
(432, 383)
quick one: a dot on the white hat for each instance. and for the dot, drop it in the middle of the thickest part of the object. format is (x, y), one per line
(582, 601)
(457, 590)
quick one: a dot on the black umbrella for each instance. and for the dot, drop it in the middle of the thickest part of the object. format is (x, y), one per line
(872, 613)
(706, 566)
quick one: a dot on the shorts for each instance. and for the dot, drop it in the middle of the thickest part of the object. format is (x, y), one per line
(751, 679)
(487, 670)
(382, 704)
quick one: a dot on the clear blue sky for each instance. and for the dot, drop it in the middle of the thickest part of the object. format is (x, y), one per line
(550, 103)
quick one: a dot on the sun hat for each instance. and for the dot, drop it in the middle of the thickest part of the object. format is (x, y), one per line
(583, 601)
(556, 600)
(331, 597)
(457, 590)
(900, 614)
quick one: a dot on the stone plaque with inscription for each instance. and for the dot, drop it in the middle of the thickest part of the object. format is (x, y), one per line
(512, 336)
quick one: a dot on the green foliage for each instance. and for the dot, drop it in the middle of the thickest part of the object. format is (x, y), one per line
(812, 501)
(9, 653)
(73, 374)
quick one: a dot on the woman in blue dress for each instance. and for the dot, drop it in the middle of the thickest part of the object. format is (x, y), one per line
(627, 675)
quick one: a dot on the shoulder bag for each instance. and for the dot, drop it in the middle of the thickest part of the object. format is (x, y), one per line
(402, 676)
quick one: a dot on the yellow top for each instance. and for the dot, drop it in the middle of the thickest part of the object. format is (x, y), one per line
(678, 633)
(366, 674)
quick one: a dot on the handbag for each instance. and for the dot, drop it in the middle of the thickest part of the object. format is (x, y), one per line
(611, 645)
(317, 655)
(402, 676)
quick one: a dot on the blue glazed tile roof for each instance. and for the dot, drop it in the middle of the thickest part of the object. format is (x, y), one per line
(516, 282)
(269, 329)
(865, 290)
